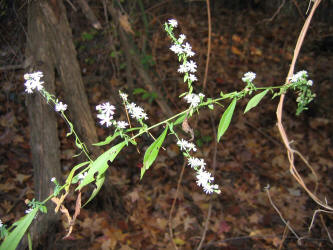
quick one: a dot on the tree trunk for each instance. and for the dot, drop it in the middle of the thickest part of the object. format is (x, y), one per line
(42, 119)
(69, 70)
(50, 45)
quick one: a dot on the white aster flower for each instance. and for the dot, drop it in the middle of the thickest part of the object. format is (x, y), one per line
(183, 68)
(1, 224)
(310, 83)
(105, 119)
(185, 145)
(106, 108)
(204, 178)
(177, 49)
(249, 76)
(122, 124)
(138, 113)
(60, 106)
(298, 76)
(130, 107)
(53, 179)
(188, 50)
(192, 99)
(28, 210)
(173, 23)
(33, 82)
(123, 96)
(81, 176)
(196, 162)
(35, 75)
(192, 78)
(192, 66)
(181, 38)
(209, 189)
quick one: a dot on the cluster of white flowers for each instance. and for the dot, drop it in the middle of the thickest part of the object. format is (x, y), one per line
(298, 76)
(136, 112)
(204, 178)
(106, 112)
(194, 99)
(33, 82)
(249, 77)
(185, 145)
(60, 107)
(187, 67)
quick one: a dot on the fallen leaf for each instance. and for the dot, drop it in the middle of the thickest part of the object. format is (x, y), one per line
(22, 178)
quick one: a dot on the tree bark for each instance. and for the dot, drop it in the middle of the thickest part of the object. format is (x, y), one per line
(42, 119)
(50, 45)
(69, 70)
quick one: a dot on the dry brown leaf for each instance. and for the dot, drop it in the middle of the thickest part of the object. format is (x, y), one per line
(124, 23)
(236, 51)
(22, 178)
(236, 38)
(64, 210)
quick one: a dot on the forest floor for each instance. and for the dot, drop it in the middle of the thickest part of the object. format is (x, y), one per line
(249, 157)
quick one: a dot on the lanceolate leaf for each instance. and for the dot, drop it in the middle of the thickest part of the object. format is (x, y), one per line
(71, 174)
(152, 152)
(15, 236)
(225, 119)
(100, 164)
(180, 119)
(99, 183)
(107, 140)
(255, 100)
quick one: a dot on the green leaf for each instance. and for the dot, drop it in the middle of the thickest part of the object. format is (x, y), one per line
(180, 119)
(254, 101)
(152, 152)
(107, 140)
(71, 174)
(225, 119)
(100, 165)
(15, 236)
(99, 183)
(145, 96)
(139, 91)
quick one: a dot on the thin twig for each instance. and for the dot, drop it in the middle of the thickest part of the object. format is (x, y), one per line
(285, 233)
(210, 200)
(314, 216)
(209, 44)
(290, 151)
(276, 12)
(278, 211)
(173, 205)
(324, 225)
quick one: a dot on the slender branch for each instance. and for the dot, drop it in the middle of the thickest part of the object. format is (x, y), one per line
(290, 151)
(278, 211)
(210, 200)
(173, 205)
(209, 43)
